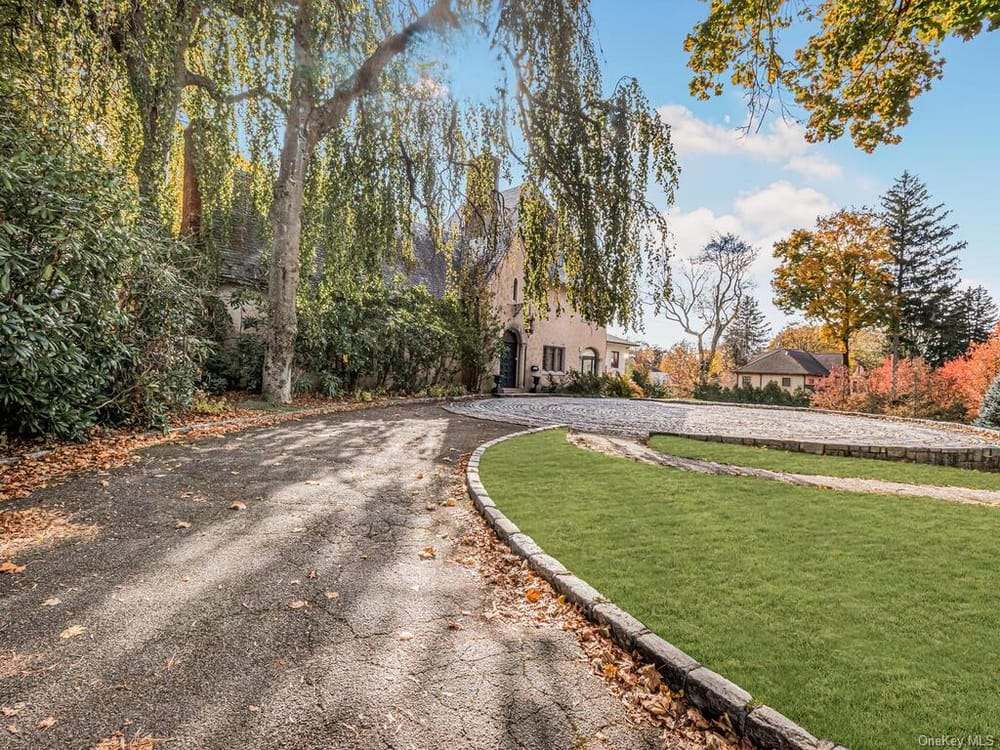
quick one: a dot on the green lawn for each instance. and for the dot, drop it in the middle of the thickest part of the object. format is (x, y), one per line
(830, 466)
(869, 619)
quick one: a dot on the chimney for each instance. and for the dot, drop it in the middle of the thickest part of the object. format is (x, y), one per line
(482, 185)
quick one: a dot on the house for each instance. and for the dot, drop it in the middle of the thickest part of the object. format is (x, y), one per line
(536, 343)
(617, 353)
(791, 369)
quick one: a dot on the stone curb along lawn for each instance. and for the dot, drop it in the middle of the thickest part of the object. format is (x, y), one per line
(708, 691)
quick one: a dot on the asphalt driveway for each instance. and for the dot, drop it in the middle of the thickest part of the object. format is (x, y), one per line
(306, 619)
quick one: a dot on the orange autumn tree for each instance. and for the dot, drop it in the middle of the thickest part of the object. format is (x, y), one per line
(972, 373)
(839, 274)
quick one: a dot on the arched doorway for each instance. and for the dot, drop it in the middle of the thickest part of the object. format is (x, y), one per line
(508, 361)
(588, 362)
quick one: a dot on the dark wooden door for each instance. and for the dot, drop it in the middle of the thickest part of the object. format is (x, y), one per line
(508, 361)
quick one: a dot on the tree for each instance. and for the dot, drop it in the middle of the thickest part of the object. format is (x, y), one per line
(925, 269)
(748, 334)
(682, 363)
(972, 372)
(838, 274)
(989, 411)
(345, 96)
(860, 67)
(707, 292)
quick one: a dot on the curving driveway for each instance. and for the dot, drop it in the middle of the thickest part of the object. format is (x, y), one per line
(187, 633)
(639, 418)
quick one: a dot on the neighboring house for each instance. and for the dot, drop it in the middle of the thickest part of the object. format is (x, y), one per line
(789, 368)
(617, 353)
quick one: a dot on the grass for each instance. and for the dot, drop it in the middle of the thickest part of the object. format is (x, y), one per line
(868, 619)
(830, 466)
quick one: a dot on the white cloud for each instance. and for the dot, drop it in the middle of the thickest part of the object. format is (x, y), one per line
(691, 135)
(781, 207)
(781, 142)
(815, 166)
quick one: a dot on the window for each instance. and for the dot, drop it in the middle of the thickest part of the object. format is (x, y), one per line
(515, 290)
(786, 382)
(615, 360)
(746, 381)
(553, 358)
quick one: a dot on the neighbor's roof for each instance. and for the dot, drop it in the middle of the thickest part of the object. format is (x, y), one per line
(786, 362)
(829, 360)
(612, 339)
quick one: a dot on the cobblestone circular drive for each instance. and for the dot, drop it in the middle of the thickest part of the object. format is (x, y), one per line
(632, 417)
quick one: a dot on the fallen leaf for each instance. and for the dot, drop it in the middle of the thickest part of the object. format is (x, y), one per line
(72, 631)
(298, 604)
(13, 710)
(51, 602)
(454, 626)
(46, 723)
(420, 475)
(427, 553)
(332, 594)
(253, 709)
(430, 506)
(237, 505)
(294, 582)
(182, 524)
(312, 575)
(532, 595)
(406, 635)
(610, 670)
(12, 729)
(9, 567)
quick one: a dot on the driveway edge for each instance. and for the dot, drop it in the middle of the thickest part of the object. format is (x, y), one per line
(708, 691)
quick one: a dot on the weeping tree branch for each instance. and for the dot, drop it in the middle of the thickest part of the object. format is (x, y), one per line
(327, 115)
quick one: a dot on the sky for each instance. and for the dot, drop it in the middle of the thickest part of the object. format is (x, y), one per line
(765, 184)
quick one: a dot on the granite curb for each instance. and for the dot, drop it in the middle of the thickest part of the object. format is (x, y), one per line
(708, 691)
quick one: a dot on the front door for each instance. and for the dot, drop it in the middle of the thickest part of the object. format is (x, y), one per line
(508, 361)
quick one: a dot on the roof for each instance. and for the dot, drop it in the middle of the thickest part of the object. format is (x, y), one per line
(612, 339)
(829, 360)
(786, 362)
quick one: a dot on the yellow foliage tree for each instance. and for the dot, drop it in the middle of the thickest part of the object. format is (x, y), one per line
(838, 274)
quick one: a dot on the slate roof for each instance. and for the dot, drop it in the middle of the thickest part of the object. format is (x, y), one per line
(786, 362)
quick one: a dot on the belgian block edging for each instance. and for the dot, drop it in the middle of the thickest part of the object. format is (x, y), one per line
(708, 691)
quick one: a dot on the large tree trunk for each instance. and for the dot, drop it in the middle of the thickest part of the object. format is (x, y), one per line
(286, 220)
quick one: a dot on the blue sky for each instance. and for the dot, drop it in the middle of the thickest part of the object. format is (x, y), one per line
(763, 185)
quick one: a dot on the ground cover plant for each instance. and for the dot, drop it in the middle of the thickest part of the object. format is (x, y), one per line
(793, 462)
(866, 618)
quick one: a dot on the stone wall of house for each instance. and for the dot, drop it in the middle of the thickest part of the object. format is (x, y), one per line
(535, 329)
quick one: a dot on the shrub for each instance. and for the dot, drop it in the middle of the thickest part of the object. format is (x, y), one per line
(989, 411)
(771, 394)
(96, 315)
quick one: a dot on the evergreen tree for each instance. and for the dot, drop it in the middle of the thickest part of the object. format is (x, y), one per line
(925, 269)
(989, 411)
(970, 319)
(749, 332)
